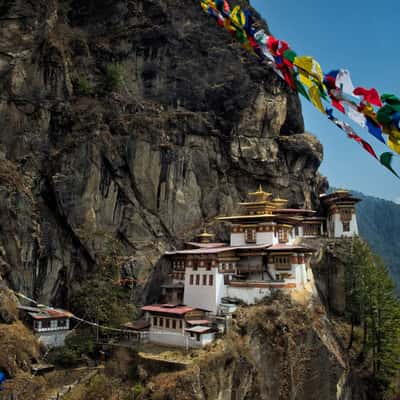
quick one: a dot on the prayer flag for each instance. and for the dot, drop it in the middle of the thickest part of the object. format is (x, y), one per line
(386, 160)
(370, 95)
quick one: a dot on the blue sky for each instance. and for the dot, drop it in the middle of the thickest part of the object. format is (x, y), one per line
(359, 36)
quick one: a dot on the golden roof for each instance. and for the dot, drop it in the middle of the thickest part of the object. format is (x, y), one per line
(260, 192)
(205, 234)
(205, 237)
(279, 200)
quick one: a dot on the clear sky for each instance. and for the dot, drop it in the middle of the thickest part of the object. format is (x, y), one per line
(358, 35)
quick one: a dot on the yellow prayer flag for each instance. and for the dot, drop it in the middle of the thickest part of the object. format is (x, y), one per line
(394, 144)
(307, 65)
(315, 98)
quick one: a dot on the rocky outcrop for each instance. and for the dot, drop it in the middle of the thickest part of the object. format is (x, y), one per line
(279, 350)
(135, 121)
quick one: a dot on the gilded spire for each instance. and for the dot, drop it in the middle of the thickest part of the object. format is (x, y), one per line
(259, 195)
(205, 237)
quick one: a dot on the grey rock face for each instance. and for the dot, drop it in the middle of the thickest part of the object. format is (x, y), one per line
(136, 121)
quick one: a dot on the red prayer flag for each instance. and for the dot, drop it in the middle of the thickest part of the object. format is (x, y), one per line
(363, 143)
(371, 96)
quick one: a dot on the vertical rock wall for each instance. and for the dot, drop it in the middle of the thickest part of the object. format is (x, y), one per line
(134, 121)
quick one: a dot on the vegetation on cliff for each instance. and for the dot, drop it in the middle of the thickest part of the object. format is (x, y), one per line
(379, 224)
(373, 307)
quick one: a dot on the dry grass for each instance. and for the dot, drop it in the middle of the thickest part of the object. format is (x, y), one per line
(18, 347)
(8, 306)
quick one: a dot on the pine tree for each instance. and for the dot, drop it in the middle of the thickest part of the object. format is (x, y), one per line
(372, 305)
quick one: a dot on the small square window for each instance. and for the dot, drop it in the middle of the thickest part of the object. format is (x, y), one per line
(62, 323)
(46, 324)
(346, 226)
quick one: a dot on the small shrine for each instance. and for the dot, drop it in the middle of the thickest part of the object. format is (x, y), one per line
(341, 219)
(50, 325)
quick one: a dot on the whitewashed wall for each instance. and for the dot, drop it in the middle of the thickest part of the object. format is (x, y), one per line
(204, 296)
(248, 295)
(53, 339)
(338, 226)
(237, 239)
(205, 339)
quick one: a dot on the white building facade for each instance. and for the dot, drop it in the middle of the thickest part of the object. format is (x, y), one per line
(178, 326)
(341, 217)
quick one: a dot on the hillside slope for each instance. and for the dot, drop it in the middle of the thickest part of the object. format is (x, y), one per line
(379, 224)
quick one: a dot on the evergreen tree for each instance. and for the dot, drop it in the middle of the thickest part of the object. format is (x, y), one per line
(372, 305)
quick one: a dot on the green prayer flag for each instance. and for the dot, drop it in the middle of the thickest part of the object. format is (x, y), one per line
(290, 55)
(384, 115)
(390, 99)
(386, 160)
(301, 89)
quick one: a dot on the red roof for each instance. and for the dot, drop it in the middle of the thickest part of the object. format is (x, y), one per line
(50, 313)
(219, 249)
(202, 251)
(137, 325)
(168, 309)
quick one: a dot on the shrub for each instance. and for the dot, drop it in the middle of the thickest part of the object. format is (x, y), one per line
(113, 77)
(75, 347)
(83, 87)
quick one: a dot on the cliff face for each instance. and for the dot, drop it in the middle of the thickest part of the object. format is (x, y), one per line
(274, 351)
(137, 120)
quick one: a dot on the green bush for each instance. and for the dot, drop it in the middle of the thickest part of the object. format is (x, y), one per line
(137, 390)
(103, 301)
(113, 77)
(83, 87)
(75, 348)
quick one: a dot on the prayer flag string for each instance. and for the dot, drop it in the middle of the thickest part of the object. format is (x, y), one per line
(378, 114)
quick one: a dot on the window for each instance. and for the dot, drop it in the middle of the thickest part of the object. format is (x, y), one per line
(180, 324)
(282, 235)
(209, 264)
(174, 324)
(195, 266)
(281, 260)
(155, 321)
(167, 322)
(161, 322)
(296, 231)
(346, 226)
(36, 324)
(62, 323)
(197, 280)
(204, 280)
(191, 279)
(250, 235)
(46, 324)
(210, 280)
